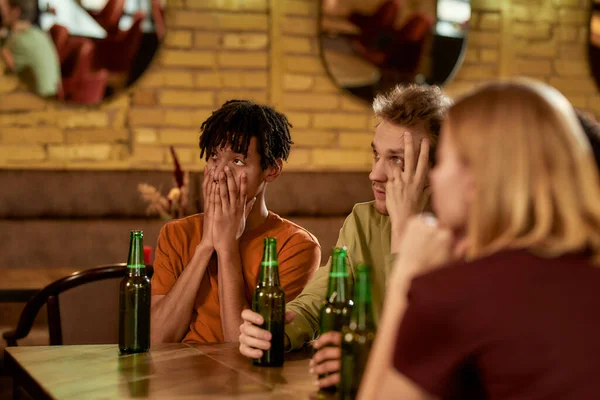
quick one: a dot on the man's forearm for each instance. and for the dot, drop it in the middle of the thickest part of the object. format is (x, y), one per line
(232, 296)
(306, 306)
(171, 315)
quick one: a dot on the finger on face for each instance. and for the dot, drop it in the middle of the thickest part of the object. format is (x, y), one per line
(243, 187)
(330, 380)
(397, 174)
(222, 192)
(250, 352)
(252, 317)
(216, 197)
(207, 189)
(231, 185)
(329, 338)
(210, 196)
(423, 163)
(325, 354)
(409, 157)
(207, 179)
(389, 172)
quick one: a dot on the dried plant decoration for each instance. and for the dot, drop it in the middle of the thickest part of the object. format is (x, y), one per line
(173, 205)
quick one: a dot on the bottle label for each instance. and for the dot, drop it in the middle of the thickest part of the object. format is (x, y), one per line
(136, 266)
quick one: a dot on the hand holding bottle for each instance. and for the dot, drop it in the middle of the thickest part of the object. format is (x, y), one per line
(253, 340)
(326, 362)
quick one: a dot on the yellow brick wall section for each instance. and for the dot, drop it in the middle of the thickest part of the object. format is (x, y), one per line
(311, 98)
(214, 50)
(217, 50)
(549, 40)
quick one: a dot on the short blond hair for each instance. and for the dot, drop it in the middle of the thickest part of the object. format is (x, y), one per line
(412, 105)
(536, 180)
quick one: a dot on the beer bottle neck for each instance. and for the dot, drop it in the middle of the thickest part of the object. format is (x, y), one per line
(269, 271)
(337, 291)
(136, 270)
(362, 311)
(136, 265)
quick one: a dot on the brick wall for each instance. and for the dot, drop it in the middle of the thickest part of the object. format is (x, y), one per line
(267, 50)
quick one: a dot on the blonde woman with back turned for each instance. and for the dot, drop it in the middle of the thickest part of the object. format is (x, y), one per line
(500, 300)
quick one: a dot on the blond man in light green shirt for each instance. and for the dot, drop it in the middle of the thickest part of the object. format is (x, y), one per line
(409, 118)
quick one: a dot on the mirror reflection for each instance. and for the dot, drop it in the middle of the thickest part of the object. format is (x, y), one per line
(80, 51)
(370, 46)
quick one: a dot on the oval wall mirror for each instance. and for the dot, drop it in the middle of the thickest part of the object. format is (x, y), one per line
(370, 46)
(80, 51)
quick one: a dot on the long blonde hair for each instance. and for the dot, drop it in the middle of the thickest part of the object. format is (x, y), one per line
(537, 184)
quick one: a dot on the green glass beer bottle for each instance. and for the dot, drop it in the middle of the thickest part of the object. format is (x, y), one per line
(134, 301)
(335, 311)
(358, 336)
(269, 301)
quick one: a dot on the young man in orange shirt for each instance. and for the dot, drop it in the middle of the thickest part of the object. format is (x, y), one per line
(207, 265)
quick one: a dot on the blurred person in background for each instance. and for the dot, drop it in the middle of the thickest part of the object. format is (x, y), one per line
(28, 50)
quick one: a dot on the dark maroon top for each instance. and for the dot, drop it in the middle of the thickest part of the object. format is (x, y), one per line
(510, 326)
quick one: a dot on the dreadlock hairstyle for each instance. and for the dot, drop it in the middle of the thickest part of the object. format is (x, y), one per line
(238, 121)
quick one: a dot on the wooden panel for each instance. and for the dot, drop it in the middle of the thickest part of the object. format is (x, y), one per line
(31, 278)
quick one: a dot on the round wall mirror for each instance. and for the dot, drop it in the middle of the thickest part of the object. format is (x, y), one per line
(80, 51)
(370, 46)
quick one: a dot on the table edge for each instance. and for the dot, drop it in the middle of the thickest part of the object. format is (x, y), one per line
(22, 378)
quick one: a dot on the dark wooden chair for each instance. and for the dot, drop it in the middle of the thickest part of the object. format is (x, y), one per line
(87, 312)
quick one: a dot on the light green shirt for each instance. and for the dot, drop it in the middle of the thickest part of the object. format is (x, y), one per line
(367, 235)
(34, 49)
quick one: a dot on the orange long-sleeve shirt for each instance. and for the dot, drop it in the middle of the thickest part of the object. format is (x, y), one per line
(298, 253)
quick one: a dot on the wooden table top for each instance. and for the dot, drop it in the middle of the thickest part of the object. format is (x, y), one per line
(169, 371)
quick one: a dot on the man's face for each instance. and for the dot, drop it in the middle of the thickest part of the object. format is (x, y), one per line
(9, 15)
(388, 151)
(238, 163)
